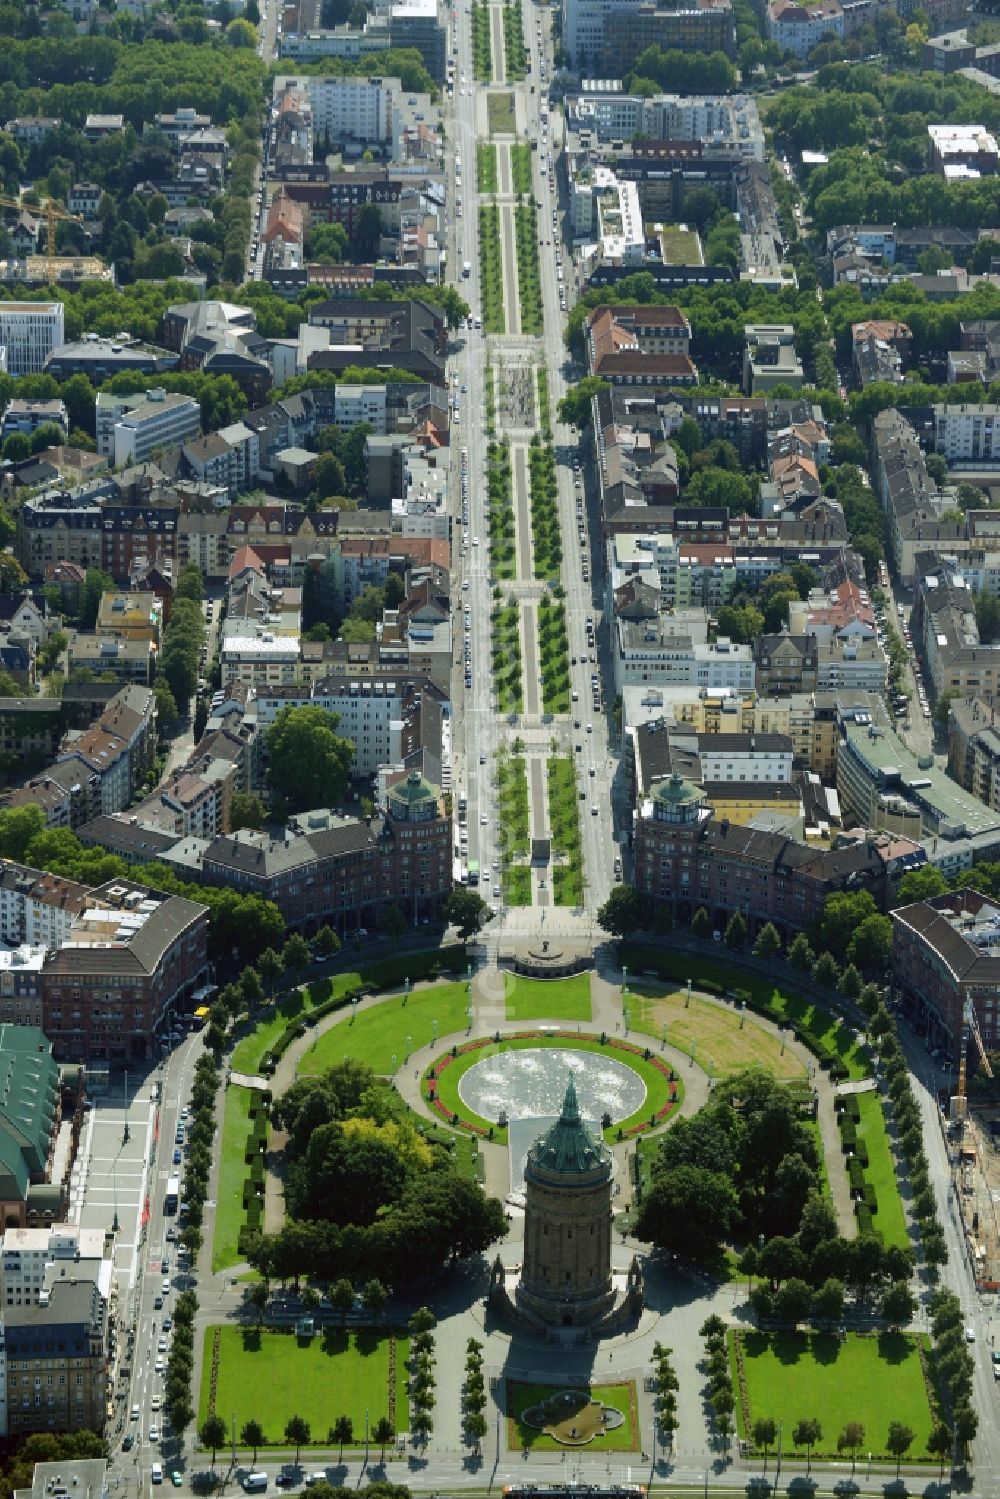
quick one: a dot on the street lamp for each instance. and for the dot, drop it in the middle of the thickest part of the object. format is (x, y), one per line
(125, 1133)
(626, 1016)
(663, 1042)
(434, 1031)
(687, 1001)
(394, 1064)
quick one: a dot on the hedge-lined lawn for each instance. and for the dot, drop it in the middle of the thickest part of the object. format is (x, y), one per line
(791, 1376)
(544, 417)
(503, 561)
(890, 1220)
(482, 43)
(621, 1397)
(233, 1172)
(529, 291)
(486, 167)
(546, 538)
(817, 1023)
(514, 821)
(517, 885)
(377, 1034)
(490, 272)
(508, 675)
(722, 1047)
(513, 41)
(520, 167)
(269, 1376)
(553, 651)
(564, 822)
(548, 999)
(446, 1081)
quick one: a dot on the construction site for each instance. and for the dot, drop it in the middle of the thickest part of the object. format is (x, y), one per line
(973, 1134)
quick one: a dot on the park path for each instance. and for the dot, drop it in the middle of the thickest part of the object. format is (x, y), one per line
(490, 1018)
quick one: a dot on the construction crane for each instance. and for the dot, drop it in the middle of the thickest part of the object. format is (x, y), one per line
(52, 213)
(970, 1026)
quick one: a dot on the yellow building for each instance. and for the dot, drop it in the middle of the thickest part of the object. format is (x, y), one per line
(741, 801)
(130, 616)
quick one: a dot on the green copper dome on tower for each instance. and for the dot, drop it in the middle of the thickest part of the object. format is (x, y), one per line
(569, 1148)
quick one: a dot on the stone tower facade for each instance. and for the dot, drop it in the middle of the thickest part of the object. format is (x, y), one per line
(566, 1273)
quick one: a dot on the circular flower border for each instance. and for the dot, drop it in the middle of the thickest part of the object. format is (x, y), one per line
(465, 1051)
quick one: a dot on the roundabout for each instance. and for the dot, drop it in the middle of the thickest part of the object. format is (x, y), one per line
(476, 1084)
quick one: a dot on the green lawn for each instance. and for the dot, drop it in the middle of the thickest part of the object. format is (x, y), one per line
(517, 885)
(233, 1172)
(798, 1375)
(486, 167)
(712, 1031)
(392, 1028)
(500, 113)
(716, 975)
(890, 1220)
(269, 1376)
(251, 1051)
(548, 999)
(619, 1396)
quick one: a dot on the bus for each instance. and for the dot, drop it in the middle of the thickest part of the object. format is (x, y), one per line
(172, 1196)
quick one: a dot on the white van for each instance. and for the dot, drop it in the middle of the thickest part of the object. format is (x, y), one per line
(254, 1482)
(156, 1473)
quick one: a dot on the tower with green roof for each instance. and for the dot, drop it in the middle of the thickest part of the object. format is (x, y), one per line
(566, 1272)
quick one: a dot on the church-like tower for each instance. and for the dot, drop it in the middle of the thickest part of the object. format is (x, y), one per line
(566, 1274)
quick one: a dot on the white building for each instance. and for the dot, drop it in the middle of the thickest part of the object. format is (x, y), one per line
(716, 119)
(130, 428)
(29, 1255)
(738, 757)
(423, 511)
(259, 658)
(29, 331)
(360, 403)
(967, 434)
(648, 651)
(799, 28)
(354, 109)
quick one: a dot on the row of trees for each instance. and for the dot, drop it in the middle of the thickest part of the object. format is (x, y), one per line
(422, 1381)
(851, 931)
(721, 1400)
(297, 1433)
(474, 1394)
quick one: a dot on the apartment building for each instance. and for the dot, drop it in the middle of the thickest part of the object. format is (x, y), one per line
(131, 428)
(29, 331)
(28, 415)
(798, 28)
(57, 1360)
(658, 653)
(328, 868)
(769, 357)
(945, 957)
(352, 109)
(131, 958)
(687, 858)
(967, 434)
